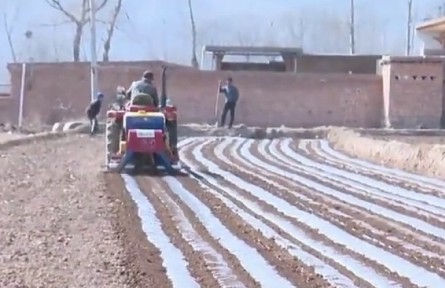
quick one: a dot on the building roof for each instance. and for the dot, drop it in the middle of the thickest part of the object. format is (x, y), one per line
(253, 50)
(433, 25)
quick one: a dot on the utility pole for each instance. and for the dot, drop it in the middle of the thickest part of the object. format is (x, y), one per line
(409, 28)
(93, 63)
(351, 27)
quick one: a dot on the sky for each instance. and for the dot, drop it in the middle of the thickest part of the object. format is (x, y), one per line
(160, 29)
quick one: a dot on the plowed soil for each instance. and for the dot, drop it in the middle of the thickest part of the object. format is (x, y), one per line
(250, 213)
(57, 220)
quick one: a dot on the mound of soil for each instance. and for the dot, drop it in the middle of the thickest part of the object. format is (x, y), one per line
(420, 156)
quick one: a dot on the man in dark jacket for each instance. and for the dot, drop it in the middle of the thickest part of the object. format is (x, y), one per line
(93, 110)
(232, 94)
(143, 92)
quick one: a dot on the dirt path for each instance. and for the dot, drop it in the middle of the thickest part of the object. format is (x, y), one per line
(284, 212)
(56, 219)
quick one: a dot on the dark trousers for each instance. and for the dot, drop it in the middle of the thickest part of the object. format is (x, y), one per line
(228, 107)
(93, 123)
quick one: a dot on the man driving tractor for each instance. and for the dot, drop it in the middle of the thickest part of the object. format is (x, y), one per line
(143, 91)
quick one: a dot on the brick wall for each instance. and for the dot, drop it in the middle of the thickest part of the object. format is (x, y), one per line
(8, 109)
(59, 91)
(357, 64)
(413, 91)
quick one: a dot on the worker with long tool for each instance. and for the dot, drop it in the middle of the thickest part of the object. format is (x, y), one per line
(232, 95)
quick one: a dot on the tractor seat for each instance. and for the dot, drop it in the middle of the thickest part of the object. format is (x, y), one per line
(135, 108)
(142, 102)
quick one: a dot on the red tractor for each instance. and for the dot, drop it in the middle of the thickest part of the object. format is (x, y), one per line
(143, 136)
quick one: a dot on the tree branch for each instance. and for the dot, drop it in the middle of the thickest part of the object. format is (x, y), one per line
(110, 31)
(84, 13)
(8, 31)
(103, 21)
(98, 8)
(79, 21)
(193, 26)
(55, 24)
(55, 4)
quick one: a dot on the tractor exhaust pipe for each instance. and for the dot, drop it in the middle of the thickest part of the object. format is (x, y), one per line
(164, 87)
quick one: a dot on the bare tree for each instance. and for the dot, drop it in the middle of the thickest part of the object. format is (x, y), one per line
(369, 30)
(79, 21)
(352, 27)
(42, 46)
(440, 10)
(8, 25)
(193, 25)
(270, 37)
(245, 38)
(165, 52)
(8, 31)
(414, 19)
(409, 23)
(336, 41)
(205, 33)
(297, 31)
(110, 31)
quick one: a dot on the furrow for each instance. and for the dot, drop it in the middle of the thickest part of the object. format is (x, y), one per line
(174, 260)
(278, 257)
(418, 243)
(393, 262)
(351, 194)
(400, 203)
(260, 220)
(249, 257)
(207, 264)
(312, 149)
(301, 219)
(370, 184)
(385, 172)
(341, 214)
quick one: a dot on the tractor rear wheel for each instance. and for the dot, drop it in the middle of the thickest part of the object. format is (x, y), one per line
(112, 137)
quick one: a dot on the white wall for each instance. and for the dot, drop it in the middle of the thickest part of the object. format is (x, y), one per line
(427, 41)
